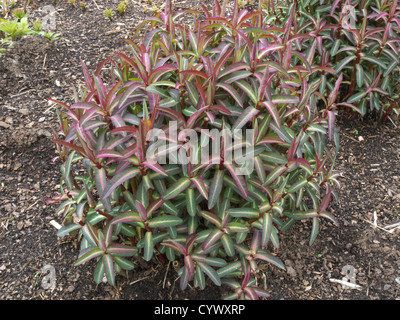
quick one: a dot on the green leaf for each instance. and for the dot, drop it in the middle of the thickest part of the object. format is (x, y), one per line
(374, 60)
(121, 250)
(119, 179)
(247, 89)
(99, 272)
(212, 238)
(148, 246)
(359, 75)
(335, 47)
(244, 213)
(228, 245)
(164, 222)
(191, 202)
(210, 272)
(314, 231)
(262, 255)
(109, 268)
(358, 96)
(344, 62)
(124, 263)
(93, 252)
(298, 185)
(266, 229)
(229, 268)
(215, 188)
(248, 114)
(67, 229)
(177, 188)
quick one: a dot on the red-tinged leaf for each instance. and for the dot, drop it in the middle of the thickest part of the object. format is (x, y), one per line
(247, 89)
(152, 207)
(232, 91)
(124, 129)
(94, 252)
(273, 112)
(326, 199)
(269, 49)
(88, 78)
(302, 161)
(270, 140)
(172, 114)
(155, 167)
(333, 95)
(231, 68)
(213, 159)
(261, 292)
(70, 145)
(111, 94)
(330, 217)
(109, 268)
(215, 188)
(148, 20)
(158, 72)
(193, 118)
(251, 293)
(279, 68)
(200, 185)
(262, 255)
(211, 217)
(141, 210)
(175, 245)
(184, 279)
(126, 217)
(189, 265)
(121, 250)
(108, 154)
(194, 73)
(248, 114)
(351, 106)
(90, 234)
(119, 179)
(238, 177)
(331, 124)
(285, 99)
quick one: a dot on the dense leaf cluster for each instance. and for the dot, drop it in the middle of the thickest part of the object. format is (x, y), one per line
(150, 186)
(358, 38)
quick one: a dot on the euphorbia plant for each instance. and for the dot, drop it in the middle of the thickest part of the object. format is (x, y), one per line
(360, 39)
(154, 182)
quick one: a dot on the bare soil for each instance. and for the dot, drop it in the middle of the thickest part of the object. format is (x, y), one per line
(35, 69)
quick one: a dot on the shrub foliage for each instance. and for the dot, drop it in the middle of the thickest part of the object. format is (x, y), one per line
(202, 146)
(360, 39)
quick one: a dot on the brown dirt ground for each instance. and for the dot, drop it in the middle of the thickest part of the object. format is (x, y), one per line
(35, 69)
